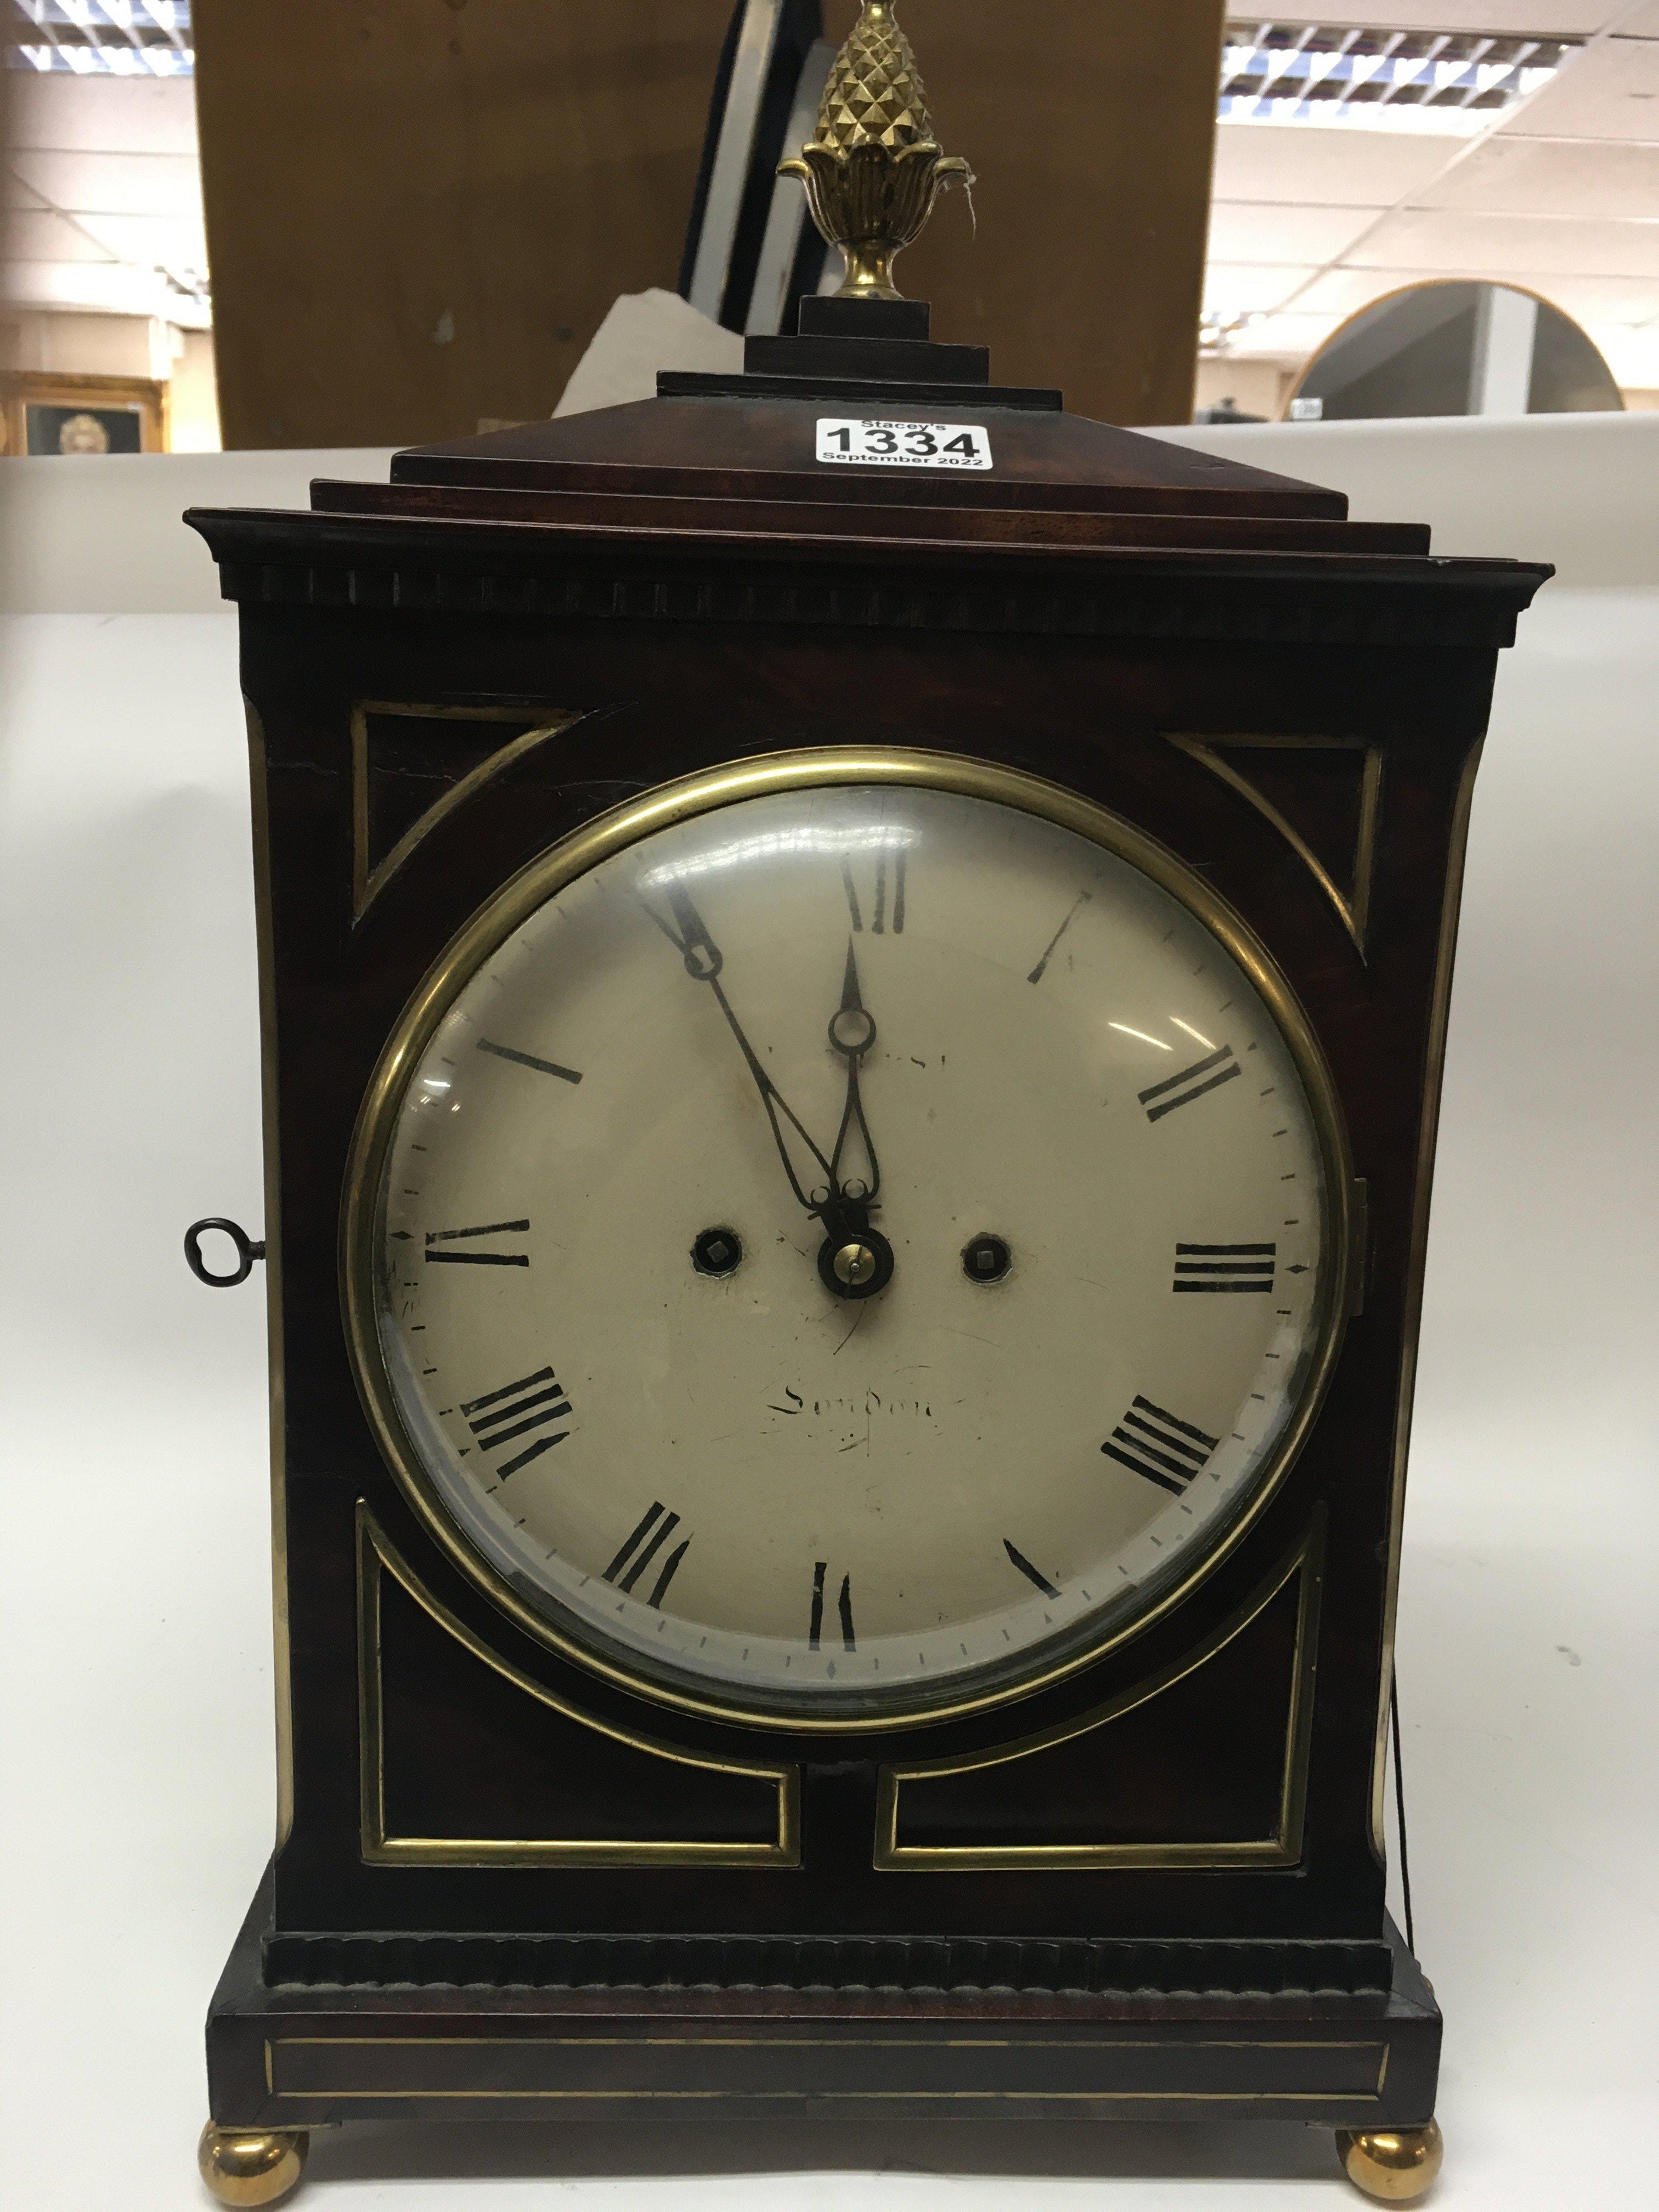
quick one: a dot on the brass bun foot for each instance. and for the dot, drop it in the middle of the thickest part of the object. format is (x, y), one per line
(1394, 2164)
(251, 2165)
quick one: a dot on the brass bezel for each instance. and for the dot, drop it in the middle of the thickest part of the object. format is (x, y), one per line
(679, 801)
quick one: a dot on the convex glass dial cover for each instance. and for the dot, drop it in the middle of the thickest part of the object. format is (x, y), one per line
(845, 1238)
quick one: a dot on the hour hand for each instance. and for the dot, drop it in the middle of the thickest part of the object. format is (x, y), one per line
(856, 1261)
(852, 1033)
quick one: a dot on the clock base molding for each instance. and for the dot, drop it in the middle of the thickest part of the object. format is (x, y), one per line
(288, 2057)
(906, 1965)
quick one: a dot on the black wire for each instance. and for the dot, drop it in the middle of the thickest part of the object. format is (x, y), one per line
(1400, 1810)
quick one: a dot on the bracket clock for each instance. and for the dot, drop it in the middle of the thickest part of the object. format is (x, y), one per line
(854, 970)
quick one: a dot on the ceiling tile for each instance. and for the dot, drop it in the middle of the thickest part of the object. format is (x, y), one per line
(1590, 178)
(1340, 293)
(102, 114)
(1643, 24)
(1332, 167)
(1247, 230)
(1620, 299)
(149, 241)
(146, 242)
(1290, 337)
(106, 287)
(32, 236)
(1632, 356)
(1343, 292)
(1610, 92)
(1523, 245)
(129, 184)
(1615, 300)
(1239, 288)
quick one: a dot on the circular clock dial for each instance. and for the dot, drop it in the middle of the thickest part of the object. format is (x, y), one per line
(842, 1252)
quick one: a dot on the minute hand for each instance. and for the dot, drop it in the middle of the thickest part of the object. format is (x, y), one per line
(703, 962)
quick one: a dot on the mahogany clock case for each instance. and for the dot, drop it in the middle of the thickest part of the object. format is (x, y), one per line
(482, 1840)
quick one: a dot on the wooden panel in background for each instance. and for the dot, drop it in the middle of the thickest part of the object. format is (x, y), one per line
(419, 211)
(1090, 128)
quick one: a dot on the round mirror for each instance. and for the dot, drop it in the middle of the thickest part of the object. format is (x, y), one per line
(1454, 348)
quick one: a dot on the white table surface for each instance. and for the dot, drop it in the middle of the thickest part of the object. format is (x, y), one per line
(134, 1671)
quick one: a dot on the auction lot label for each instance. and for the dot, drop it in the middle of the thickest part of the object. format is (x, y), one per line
(904, 445)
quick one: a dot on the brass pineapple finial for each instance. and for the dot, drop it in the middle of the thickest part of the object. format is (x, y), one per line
(873, 169)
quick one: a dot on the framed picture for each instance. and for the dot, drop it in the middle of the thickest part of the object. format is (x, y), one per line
(44, 413)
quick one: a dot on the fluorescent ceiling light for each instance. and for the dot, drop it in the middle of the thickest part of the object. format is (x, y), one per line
(1454, 83)
(98, 38)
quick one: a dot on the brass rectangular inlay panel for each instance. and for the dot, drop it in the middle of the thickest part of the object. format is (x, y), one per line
(1283, 1848)
(376, 1557)
(837, 2067)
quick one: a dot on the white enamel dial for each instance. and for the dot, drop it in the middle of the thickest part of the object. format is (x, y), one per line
(613, 1343)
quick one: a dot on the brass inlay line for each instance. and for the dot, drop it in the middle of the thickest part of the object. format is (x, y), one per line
(855, 2096)
(376, 1555)
(848, 2042)
(861, 2096)
(821, 2042)
(367, 881)
(613, 832)
(1428, 1132)
(1282, 1848)
(1354, 906)
(270, 1136)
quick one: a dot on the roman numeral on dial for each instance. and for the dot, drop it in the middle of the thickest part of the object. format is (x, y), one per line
(1152, 1443)
(843, 1607)
(441, 1237)
(1224, 1266)
(880, 906)
(1077, 905)
(528, 1059)
(645, 1541)
(518, 1409)
(1207, 1074)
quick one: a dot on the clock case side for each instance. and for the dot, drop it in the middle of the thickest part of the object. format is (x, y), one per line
(671, 645)
(276, 1364)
